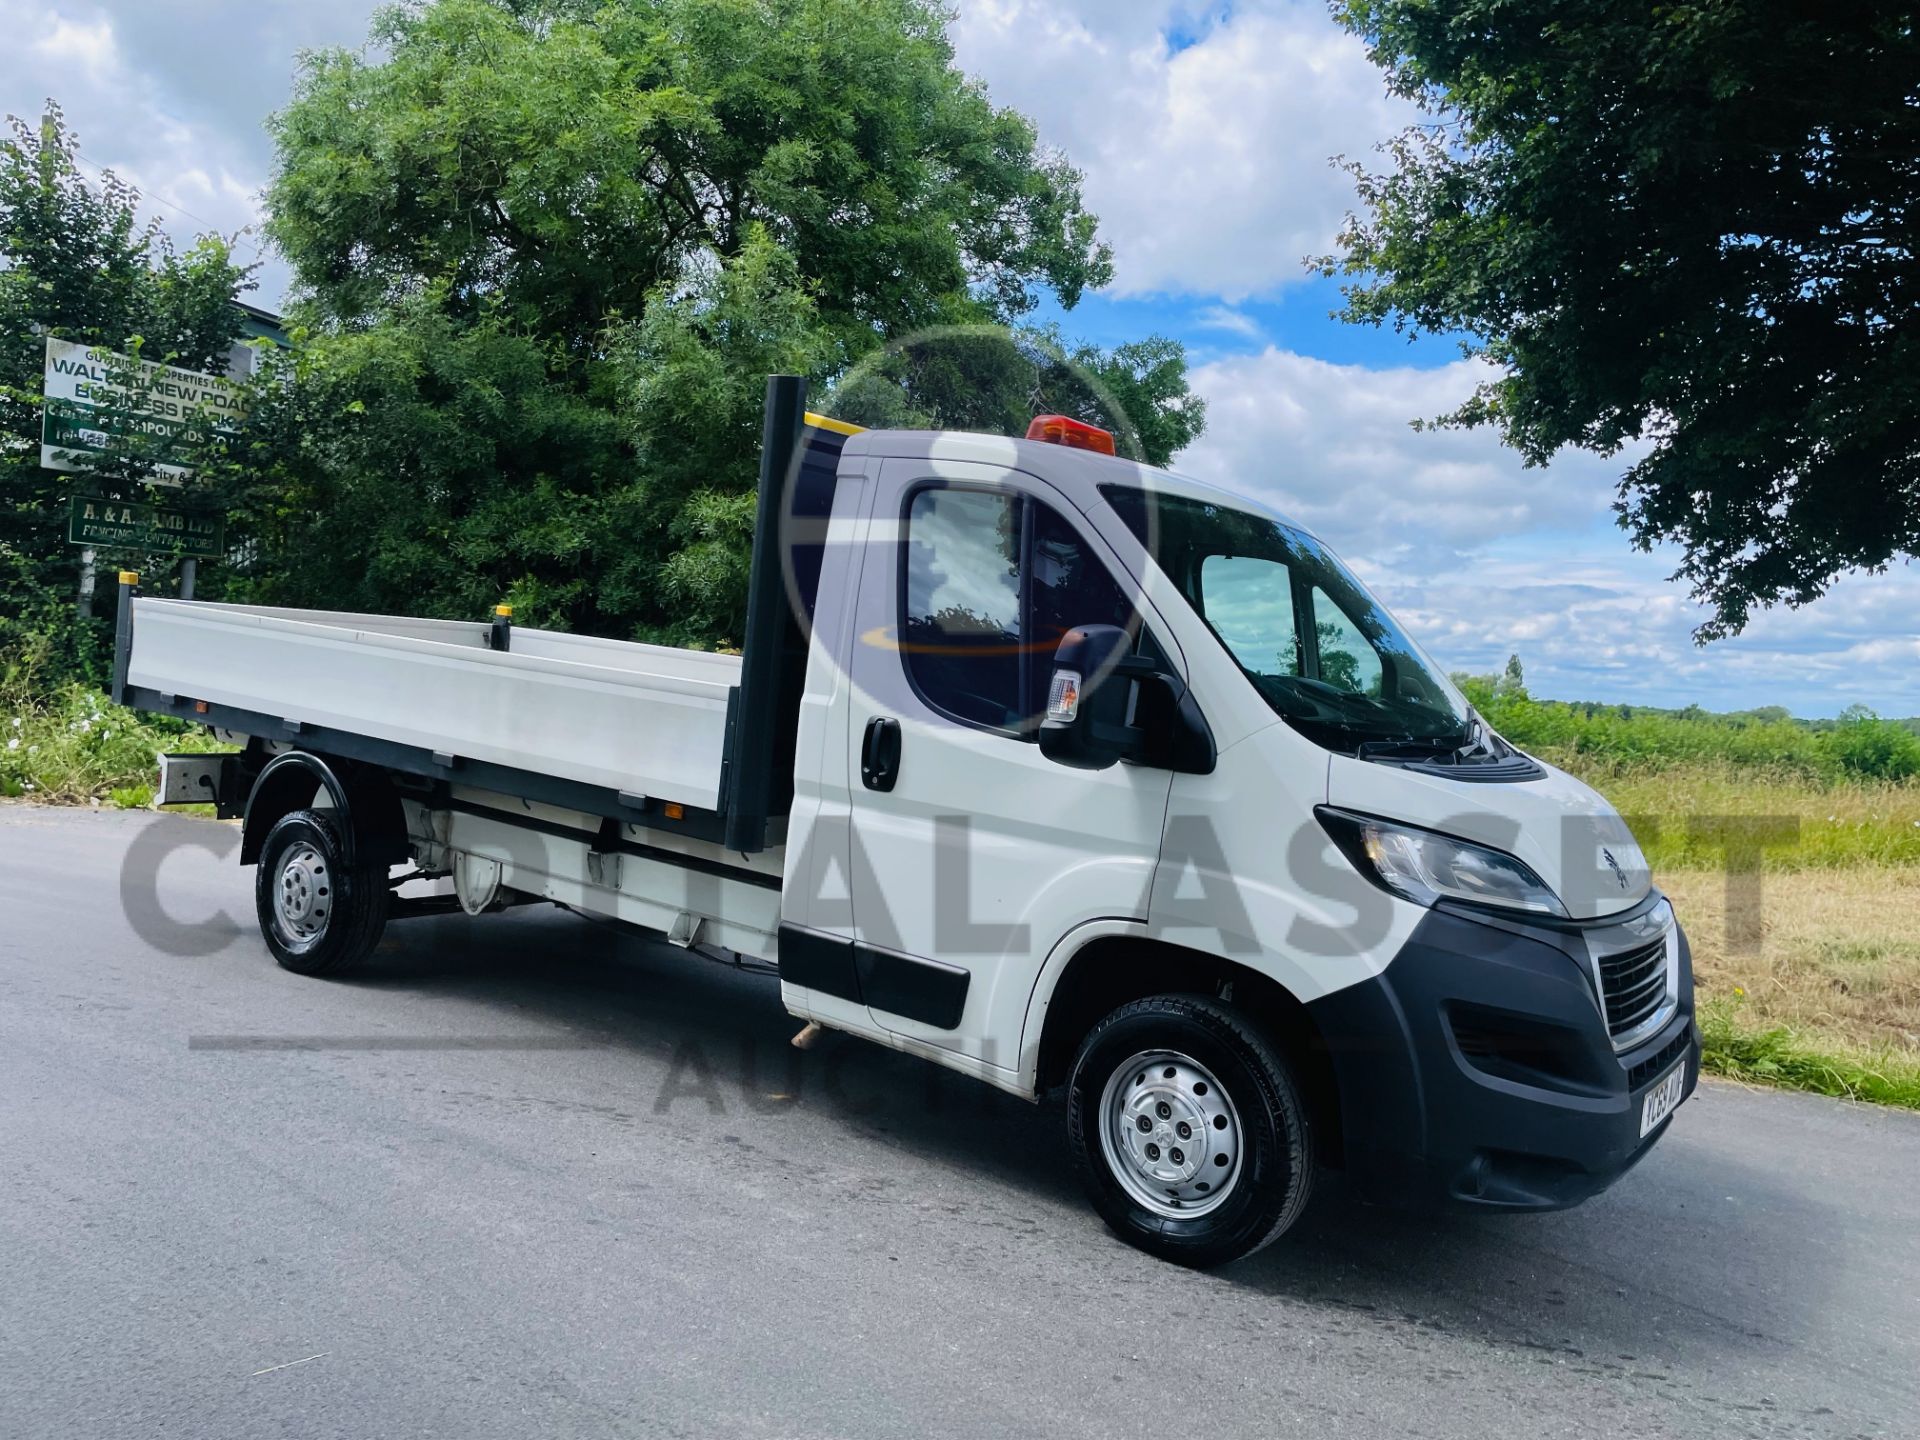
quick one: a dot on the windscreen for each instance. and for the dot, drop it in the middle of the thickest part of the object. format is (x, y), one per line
(1320, 650)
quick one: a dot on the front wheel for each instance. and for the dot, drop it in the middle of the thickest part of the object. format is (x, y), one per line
(1188, 1130)
(319, 914)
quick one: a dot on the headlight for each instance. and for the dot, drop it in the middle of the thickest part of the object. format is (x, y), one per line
(1422, 866)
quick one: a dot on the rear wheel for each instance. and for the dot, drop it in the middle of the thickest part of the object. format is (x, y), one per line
(319, 914)
(1188, 1130)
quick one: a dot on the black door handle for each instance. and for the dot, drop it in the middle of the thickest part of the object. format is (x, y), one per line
(880, 753)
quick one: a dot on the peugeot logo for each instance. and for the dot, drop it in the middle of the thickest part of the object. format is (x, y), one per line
(1618, 873)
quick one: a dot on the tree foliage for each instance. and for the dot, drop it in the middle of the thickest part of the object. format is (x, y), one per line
(1686, 228)
(563, 159)
(547, 251)
(76, 263)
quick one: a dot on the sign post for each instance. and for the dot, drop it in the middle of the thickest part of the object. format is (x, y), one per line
(96, 398)
(131, 525)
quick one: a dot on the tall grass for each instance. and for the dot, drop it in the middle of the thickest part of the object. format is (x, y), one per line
(1681, 812)
(1780, 1055)
(75, 747)
(1829, 1001)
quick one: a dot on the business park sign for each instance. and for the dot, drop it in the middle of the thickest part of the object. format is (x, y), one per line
(98, 400)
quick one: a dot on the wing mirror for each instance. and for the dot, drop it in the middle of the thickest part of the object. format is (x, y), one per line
(1087, 703)
(1106, 705)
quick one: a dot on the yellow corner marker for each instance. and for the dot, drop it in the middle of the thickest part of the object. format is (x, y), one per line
(505, 612)
(129, 577)
(839, 427)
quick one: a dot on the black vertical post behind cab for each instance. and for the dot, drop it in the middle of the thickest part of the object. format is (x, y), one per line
(754, 746)
(123, 633)
(799, 465)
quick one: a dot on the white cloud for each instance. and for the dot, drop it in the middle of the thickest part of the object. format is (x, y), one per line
(1208, 164)
(184, 173)
(173, 98)
(1333, 446)
(89, 46)
(1595, 621)
(1225, 317)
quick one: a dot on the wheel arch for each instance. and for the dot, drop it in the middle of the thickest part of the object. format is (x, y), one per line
(1111, 969)
(373, 827)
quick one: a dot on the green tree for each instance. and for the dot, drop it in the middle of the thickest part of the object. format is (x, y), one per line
(76, 263)
(547, 250)
(1870, 748)
(563, 159)
(1139, 389)
(429, 465)
(1339, 665)
(1513, 679)
(1687, 228)
(693, 379)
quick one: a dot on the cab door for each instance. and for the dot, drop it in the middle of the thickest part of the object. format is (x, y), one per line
(972, 853)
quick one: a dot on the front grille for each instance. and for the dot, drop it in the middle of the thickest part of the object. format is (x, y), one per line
(1634, 985)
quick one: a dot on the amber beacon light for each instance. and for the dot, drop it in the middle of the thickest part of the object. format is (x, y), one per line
(1075, 434)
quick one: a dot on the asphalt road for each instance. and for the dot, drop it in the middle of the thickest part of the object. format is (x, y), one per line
(532, 1177)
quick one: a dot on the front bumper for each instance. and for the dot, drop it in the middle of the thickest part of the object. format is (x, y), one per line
(1477, 1068)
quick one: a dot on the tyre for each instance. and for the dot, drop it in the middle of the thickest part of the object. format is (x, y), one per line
(1188, 1130)
(320, 916)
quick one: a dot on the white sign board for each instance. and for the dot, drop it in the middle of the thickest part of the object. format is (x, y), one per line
(95, 397)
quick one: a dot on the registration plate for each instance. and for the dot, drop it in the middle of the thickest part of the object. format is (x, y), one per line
(1663, 1099)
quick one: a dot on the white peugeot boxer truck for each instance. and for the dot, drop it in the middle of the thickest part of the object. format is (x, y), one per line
(1064, 772)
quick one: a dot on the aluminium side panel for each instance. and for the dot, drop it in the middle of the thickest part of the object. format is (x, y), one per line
(654, 725)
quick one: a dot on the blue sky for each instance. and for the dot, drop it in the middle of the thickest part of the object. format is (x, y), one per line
(1205, 130)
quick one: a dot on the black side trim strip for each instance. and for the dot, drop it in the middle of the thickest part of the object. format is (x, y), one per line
(819, 962)
(417, 760)
(930, 991)
(597, 840)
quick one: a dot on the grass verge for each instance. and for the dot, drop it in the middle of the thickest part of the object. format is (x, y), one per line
(1784, 1057)
(75, 747)
(1828, 1000)
(1677, 809)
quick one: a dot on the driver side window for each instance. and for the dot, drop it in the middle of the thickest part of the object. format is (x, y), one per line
(960, 630)
(992, 581)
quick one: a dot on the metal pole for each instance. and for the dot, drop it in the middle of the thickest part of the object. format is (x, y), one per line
(83, 607)
(189, 571)
(770, 623)
(123, 634)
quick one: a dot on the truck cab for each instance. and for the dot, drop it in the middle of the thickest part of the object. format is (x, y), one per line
(1065, 772)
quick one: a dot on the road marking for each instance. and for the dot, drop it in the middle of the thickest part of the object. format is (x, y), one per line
(290, 1364)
